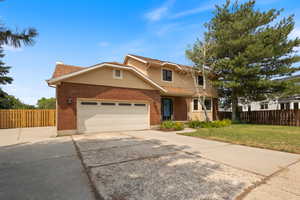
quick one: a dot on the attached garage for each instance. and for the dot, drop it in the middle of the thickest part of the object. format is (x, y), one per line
(105, 97)
(103, 115)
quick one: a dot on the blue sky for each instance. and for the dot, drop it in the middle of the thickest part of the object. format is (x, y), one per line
(88, 32)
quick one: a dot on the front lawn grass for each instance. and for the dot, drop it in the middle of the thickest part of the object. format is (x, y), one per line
(281, 138)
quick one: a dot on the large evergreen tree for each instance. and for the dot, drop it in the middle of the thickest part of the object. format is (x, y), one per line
(246, 50)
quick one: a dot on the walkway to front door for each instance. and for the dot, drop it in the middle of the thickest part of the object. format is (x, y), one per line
(166, 108)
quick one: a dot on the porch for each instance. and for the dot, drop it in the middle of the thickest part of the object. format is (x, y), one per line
(185, 108)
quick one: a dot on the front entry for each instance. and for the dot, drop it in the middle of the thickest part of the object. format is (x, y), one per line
(166, 108)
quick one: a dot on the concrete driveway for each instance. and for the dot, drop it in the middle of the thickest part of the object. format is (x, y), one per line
(35, 165)
(163, 165)
(140, 165)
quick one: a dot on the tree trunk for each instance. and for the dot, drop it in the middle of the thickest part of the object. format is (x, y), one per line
(234, 116)
(203, 107)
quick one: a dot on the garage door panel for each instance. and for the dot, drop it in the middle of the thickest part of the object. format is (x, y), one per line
(98, 118)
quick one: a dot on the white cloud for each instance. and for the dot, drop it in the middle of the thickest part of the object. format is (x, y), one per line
(192, 11)
(295, 33)
(10, 48)
(104, 44)
(158, 13)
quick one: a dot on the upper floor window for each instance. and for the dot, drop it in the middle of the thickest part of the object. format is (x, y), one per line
(167, 75)
(117, 74)
(200, 80)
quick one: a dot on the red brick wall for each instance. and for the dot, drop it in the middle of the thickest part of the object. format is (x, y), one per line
(180, 108)
(66, 113)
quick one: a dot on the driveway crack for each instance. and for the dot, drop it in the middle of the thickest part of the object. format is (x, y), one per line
(265, 180)
(130, 160)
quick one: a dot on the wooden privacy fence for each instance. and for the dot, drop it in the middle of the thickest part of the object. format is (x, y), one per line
(27, 118)
(274, 117)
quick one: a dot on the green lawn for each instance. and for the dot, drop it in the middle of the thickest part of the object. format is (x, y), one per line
(281, 138)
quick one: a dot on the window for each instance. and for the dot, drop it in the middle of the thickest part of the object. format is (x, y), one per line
(287, 106)
(139, 104)
(195, 106)
(207, 104)
(107, 104)
(117, 74)
(284, 106)
(88, 103)
(167, 75)
(124, 104)
(296, 106)
(261, 106)
(249, 108)
(264, 106)
(200, 80)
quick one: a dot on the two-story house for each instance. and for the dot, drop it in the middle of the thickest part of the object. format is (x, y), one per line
(134, 95)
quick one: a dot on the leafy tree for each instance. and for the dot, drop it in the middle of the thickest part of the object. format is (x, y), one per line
(198, 55)
(246, 50)
(11, 102)
(46, 103)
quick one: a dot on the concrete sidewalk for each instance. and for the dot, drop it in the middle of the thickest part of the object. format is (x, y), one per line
(23, 135)
(284, 185)
(259, 161)
(34, 165)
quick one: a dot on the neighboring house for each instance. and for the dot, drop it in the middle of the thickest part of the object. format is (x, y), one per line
(134, 95)
(281, 103)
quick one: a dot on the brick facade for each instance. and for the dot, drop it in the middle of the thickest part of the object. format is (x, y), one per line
(66, 112)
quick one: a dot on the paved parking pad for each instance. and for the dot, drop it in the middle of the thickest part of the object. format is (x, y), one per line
(48, 169)
(124, 167)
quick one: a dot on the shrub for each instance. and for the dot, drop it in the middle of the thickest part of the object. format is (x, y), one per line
(212, 124)
(179, 126)
(171, 126)
(194, 124)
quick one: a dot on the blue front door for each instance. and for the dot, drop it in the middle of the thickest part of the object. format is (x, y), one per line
(166, 108)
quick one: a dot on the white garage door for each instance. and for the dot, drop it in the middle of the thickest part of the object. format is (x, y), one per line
(101, 116)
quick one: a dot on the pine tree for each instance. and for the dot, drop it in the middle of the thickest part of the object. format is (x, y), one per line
(14, 39)
(247, 50)
(4, 70)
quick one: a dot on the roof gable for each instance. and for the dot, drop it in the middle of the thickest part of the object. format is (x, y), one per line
(55, 80)
(158, 62)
